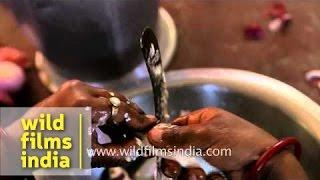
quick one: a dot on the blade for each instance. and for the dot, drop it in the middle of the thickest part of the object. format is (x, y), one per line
(151, 52)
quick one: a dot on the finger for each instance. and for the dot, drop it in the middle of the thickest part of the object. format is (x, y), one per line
(122, 122)
(98, 92)
(118, 95)
(123, 112)
(82, 86)
(192, 174)
(117, 110)
(139, 122)
(170, 168)
(133, 119)
(109, 110)
(112, 93)
(108, 94)
(197, 117)
(101, 110)
(148, 122)
(101, 103)
(85, 100)
(164, 136)
(123, 125)
(136, 107)
(192, 118)
(181, 121)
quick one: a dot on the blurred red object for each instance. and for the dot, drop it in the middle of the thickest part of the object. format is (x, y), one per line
(253, 32)
(13, 55)
(5, 99)
(277, 10)
(281, 19)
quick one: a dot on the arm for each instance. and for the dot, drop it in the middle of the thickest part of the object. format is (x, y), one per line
(220, 129)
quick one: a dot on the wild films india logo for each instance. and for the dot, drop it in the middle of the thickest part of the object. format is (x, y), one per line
(34, 139)
(49, 141)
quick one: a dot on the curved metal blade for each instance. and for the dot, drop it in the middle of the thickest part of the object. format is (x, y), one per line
(151, 52)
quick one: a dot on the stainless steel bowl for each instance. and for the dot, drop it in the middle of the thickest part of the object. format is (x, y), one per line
(275, 106)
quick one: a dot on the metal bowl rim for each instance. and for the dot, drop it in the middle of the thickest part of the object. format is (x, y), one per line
(274, 92)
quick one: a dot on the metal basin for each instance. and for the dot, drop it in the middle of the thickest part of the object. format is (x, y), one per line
(274, 106)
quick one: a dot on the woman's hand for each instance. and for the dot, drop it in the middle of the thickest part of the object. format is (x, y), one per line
(213, 128)
(121, 126)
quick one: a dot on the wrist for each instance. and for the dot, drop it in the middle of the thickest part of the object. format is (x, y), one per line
(283, 165)
(281, 146)
(270, 168)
